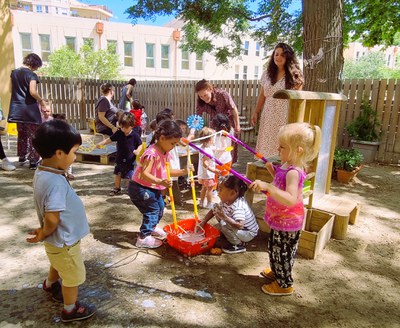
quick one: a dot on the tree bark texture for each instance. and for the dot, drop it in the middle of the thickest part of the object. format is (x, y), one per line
(323, 45)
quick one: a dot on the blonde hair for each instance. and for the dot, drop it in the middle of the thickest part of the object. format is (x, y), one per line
(206, 132)
(303, 139)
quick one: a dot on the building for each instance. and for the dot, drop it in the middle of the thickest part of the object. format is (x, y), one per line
(356, 50)
(146, 52)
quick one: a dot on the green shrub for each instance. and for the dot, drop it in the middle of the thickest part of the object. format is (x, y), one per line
(366, 126)
(347, 159)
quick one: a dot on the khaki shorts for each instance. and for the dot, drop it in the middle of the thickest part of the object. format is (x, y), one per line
(68, 262)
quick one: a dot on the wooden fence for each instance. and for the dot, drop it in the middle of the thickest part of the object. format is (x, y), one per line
(77, 98)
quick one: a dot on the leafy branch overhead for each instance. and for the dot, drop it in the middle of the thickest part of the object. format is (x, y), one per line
(371, 21)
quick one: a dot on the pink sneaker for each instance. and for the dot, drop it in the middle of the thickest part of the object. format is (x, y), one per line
(159, 233)
(148, 242)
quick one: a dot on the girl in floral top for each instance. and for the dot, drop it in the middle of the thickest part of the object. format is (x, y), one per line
(150, 179)
(298, 144)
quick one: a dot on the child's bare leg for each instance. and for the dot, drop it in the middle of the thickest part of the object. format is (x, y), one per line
(117, 181)
(70, 294)
(203, 194)
(53, 275)
(209, 195)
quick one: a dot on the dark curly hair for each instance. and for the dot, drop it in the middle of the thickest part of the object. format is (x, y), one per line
(293, 74)
(221, 122)
(33, 61)
(233, 182)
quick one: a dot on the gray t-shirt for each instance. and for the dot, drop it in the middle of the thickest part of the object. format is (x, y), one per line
(53, 193)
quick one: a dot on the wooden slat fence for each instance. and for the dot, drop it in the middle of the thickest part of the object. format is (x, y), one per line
(77, 98)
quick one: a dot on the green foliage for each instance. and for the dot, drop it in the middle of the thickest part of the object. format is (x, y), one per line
(366, 126)
(101, 64)
(370, 66)
(347, 159)
(373, 21)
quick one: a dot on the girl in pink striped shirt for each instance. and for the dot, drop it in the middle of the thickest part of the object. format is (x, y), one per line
(150, 179)
(298, 144)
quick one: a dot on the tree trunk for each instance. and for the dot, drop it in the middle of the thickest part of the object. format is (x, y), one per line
(323, 45)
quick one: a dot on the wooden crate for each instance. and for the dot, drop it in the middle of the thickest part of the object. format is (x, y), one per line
(316, 233)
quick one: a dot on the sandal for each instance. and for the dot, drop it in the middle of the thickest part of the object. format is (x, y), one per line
(267, 273)
(115, 191)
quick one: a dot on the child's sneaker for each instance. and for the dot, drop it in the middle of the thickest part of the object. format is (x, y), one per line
(148, 242)
(267, 273)
(81, 311)
(6, 165)
(55, 290)
(115, 191)
(274, 289)
(159, 233)
(233, 249)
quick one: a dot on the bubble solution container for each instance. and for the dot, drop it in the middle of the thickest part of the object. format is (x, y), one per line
(187, 240)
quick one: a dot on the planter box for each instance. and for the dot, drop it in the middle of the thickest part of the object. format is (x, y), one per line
(367, 148)
(316, 233)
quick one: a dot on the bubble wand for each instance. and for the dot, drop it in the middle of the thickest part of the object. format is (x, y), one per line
(224, 166)
(240, 142)
(171, 196)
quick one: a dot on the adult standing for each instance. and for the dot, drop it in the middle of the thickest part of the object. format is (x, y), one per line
(127, 95)
(106, 113)
(283, 72)
(213, 101)
(24, 107)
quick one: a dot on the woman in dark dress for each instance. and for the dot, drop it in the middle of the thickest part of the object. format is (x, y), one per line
(25, 107)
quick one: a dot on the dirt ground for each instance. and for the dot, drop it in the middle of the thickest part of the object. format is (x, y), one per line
(353, 283)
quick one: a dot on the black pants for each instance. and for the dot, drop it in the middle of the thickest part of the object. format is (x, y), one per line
(2, 154)
(282, 248)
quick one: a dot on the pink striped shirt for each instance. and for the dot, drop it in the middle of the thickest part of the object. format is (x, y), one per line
(158, 169)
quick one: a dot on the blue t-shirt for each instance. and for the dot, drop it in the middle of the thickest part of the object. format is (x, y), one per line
(126, 145)
(53, 193)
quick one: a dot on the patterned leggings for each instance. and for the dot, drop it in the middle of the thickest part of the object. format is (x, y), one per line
(282, 247)
(24, 145)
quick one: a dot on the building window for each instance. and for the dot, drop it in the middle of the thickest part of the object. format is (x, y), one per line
(26, 43)
(199, 62)
(27, 8)
(258, 47)
(150, 55)
(45, 46)
(245, 72)
(70, 41)
(39, 9)
(164, 56)
(88, 42)
(128, 53)
(185, 59)
(357, 55)
(237, 70)
(46, 9)
(112, 46)
(256, 70)
(246, 48)
(388, 60)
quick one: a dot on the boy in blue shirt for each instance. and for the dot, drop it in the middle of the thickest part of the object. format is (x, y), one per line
(62, 217)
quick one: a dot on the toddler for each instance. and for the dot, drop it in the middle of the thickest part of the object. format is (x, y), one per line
(62, 217)
(129, 146)
(235, 218)
(150, 179)
(206, 170)
(284, 211)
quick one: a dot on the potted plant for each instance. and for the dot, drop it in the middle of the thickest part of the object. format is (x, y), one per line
(364, 131)
(347, 163)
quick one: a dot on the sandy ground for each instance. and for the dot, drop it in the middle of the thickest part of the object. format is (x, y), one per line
(353, 283)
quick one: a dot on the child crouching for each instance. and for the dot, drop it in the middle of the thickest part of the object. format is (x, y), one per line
(235, 218)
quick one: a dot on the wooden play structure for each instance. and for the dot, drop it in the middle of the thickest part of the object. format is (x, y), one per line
(327, 215)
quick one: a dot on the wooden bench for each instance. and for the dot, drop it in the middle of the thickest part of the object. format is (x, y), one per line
(345, 210)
